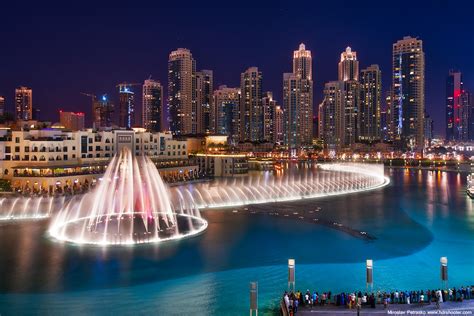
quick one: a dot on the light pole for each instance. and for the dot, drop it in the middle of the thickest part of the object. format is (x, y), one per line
(291, 275)
(444, 271)
(253, 298)
(369, 274)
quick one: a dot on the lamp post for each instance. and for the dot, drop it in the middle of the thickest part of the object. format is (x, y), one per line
(369, 274)
(444, 271)
(291, 275)
(253, 298)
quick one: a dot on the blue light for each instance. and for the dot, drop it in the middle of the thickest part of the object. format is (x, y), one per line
(104, 98)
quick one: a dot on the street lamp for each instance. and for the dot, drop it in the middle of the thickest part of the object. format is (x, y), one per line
(369, 273)
(444, 271)
(291, 274)
(253, 298)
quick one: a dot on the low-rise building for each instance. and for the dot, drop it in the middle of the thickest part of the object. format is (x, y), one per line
(222, 165)
(56, 160)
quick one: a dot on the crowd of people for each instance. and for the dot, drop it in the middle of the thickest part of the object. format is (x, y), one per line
(294, 300)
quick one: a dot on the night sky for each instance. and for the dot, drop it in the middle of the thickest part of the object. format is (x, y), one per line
(64, 49)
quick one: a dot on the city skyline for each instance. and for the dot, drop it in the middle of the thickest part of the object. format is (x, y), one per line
(101, 71)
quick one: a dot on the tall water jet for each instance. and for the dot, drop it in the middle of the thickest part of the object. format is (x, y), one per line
(130, 205)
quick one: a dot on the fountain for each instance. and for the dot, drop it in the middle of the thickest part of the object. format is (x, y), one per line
(24, 208)
(130, 205)
(324, 180)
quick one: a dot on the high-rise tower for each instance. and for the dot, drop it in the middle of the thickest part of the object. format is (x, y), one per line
(408, 85)
(183, 112)
(251, 111)
(204, 99)
(152, 105)
(454, 89)
(370, 103)
(348, 68)
(298, 100)
(126, 106)
(23, 103)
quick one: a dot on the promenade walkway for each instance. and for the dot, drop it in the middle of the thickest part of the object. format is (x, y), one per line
(446, 308)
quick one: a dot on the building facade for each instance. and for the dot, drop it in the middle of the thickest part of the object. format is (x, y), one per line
(152, 106)
(226, 112)
(51, 160)
(23, 103)
(408, 85)
(454, 89)
(370, 104)
(251, 109)
(331, 120)
(102, 111)
(269, 104)
(2, 105)
(204, 100)
(126, 106)
(348, 67)
(183, 112)
(73, 121)
(298, 100)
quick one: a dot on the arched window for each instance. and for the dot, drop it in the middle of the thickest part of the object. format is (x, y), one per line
(42, 158)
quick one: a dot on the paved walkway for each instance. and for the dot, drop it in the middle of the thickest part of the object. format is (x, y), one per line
(448, 308)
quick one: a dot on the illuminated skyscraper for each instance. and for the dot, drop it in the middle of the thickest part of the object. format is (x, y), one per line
(102, 110)
(152, 105)
(183, 112)
(269, 104)
(126, 106)
(251, 110)
(348, 68)
(204, 93)
(298, 100)
(23, 103)
(2, 105)
(408, 84)
(454, 89)
(386, 126)
(226, 113)
(278, 125)
(331, 115)
(467, 116)
(370, 103)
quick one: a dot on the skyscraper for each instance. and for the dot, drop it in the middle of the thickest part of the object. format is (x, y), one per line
(454, 88)
(428, 129)
(72, 120)
(226, 113)
(102, 110)
(152, 105)
(467, 116)
(331, 115)
(408, 84)
(350, 107)
(183, 112)
(251, 111)
(386, 126)
(278, 125)
(23, 103)
(2, 105)
(204, 96)
(348, 68)
(298, 100)
(126, 106)
(269, 104)
(370, 104)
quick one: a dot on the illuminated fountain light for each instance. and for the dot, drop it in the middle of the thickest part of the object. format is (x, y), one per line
(131, 205)
(327, 180)
(24, 208)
